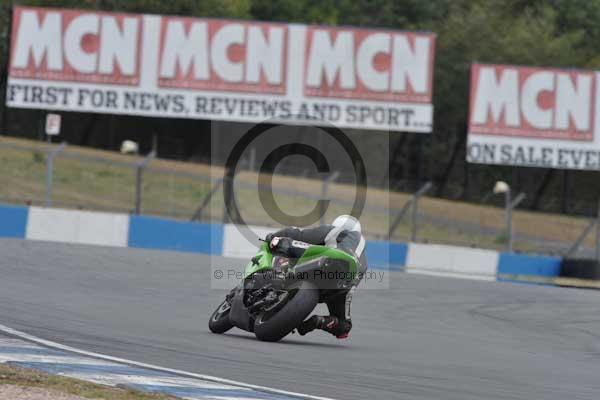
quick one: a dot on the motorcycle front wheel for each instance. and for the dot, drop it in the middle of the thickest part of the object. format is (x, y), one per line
(219, 320)
(274, 326)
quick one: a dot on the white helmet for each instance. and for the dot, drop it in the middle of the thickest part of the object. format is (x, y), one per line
(347, 223)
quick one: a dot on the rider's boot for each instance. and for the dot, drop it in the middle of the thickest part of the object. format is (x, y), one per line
(327, 323)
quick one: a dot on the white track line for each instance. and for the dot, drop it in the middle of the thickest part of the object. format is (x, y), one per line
(54, 345)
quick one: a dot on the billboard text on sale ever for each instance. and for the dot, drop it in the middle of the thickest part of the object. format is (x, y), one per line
(537, 117)
(220, 69)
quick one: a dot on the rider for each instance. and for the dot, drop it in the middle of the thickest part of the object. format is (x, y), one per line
(345, 234)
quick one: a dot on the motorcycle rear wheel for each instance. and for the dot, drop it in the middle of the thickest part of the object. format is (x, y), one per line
(219, 320)
(274, 327)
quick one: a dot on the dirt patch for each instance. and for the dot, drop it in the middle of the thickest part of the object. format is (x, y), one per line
(15, 392)
(25, 384)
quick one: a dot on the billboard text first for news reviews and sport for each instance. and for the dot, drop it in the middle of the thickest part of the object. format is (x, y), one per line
(537, 117)
(215, 69)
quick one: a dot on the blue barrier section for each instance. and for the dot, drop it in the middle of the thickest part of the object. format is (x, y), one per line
(13, 221)
(520, 264)
(159, 233)
(382, 255)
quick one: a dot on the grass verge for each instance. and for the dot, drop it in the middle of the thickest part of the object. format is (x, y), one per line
(12, 375)
(101, 180)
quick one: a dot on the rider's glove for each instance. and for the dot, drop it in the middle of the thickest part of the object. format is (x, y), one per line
(273, 241)
(269, 237)
(282, 245)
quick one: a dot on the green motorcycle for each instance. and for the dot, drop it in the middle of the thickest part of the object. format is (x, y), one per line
(279, 292)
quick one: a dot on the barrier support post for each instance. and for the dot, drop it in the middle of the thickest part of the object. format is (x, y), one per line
(415, 210)
(198, 214)
(399, 217)
(510, 206)
(410, 203)
(139, 169)
(50, 171)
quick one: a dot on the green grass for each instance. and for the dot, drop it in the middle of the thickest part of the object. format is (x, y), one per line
(102, 180)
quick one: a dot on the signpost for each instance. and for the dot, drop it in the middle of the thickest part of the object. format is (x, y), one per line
(53, 122)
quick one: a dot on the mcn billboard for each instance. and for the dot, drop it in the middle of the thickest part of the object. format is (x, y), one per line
(538, 117)
(220, 69)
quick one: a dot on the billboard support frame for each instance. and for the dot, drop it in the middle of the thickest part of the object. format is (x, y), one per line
(5, 71)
